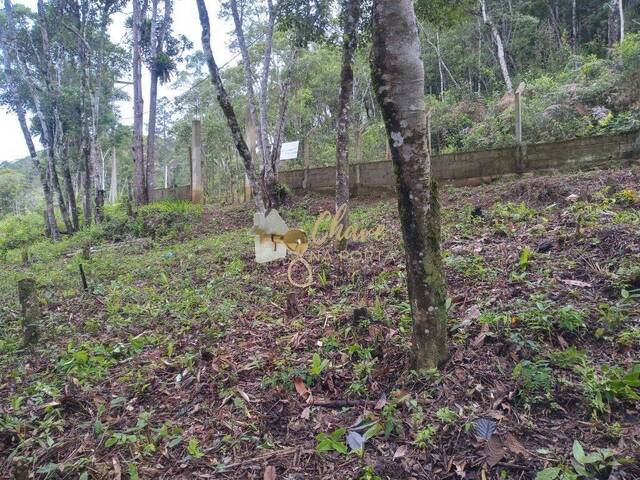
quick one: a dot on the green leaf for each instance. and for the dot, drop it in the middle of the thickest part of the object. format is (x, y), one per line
(133, 472)
(48, 468)
(580, 470)
(372, 431)
(548, 473)
(175, 441)
(81, 356)
(578, 451)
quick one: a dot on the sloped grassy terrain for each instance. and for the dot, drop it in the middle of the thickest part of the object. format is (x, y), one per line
(188, 360)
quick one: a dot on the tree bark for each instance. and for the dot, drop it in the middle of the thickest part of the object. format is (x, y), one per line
(349, 44)
(497, 39)
(71, 194)
(621, 13)
(227, 108)
(140, 183)
(614, 23)
(113, 196)
(398, 76)
(574, 26)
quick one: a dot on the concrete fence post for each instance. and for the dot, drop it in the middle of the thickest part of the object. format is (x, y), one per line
(196, 161)
(518, 112)
(521, 148)
(31, 313)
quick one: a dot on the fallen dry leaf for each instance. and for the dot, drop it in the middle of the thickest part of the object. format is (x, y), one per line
(301, 388)
(401, 451)
(382, 401)
(117, 470)
(306, 413)
(577, 283)
(460, 468)
(473, 313)
(479, 340)
(270, 473)
(494, 451)
(514, 446)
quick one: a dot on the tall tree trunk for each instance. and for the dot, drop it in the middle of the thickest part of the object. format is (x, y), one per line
(62, 201)
(268, 173)
(398, 76)
(349, 44)
(113, 196)
(7, 38)
(497, 39)
(614, 30)
(150, 163)
(71, 194)
(56, 134)
(227, 108)
(555, 25)
(574, 26)
(252, 117)
(621, 13)
(283, 104)
(264, 83)
(140, 183)
(52, 224)
(157, 44)
(86, 181)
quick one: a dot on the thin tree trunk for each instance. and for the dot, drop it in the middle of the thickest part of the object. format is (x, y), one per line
(52, 224)
(283, 104)
(398, 76)
(56, 134)
(157, 43)
(227, 108)
(614, 24)
(62, 204)
(140, 184)
(555, 25)
(497, 39)
(349, 45)
(71, 194)
(113, 197)
(574, 26)
(153, 99)
(621, 13)
(7, 39)
(264, 82)
(248, 82)
(305, 162)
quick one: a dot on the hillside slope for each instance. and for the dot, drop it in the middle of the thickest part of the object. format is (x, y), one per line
(189, 360)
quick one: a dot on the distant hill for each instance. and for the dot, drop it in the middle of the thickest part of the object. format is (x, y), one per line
(24, 166)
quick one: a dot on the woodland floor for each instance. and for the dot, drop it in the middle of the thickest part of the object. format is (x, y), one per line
(185, 360)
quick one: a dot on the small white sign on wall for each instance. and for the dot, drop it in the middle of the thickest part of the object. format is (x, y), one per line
(289, 150)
